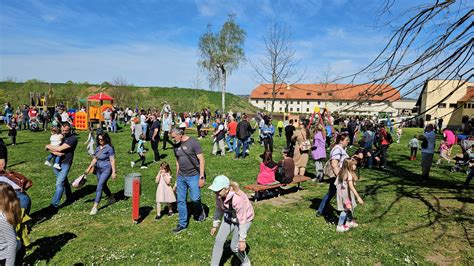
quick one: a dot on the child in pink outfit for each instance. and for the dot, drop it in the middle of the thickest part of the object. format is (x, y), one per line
(164, 192)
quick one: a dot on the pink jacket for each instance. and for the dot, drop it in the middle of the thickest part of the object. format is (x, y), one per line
(266, 175)
(242, 207)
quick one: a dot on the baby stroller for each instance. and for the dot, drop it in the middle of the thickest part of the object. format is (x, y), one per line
(462, 160)
(34, 124)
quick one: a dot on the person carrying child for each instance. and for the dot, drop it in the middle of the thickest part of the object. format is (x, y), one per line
(140, 152)
(55, 140)
(413, 144)
(234, 208)
(347, 195)
(164, 192)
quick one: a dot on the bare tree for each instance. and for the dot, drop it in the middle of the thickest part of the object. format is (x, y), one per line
(120, 90)
(278, 64)
(221, 53)
(431, 41)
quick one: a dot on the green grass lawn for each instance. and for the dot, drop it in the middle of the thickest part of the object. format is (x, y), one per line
(402, 222)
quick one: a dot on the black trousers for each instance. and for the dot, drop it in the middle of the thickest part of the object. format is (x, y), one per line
(166, 139)
(268, 144)
(154, 146)
(413, 151)
(383, 153)
(288, 142)
(134, 143)
(280, 130)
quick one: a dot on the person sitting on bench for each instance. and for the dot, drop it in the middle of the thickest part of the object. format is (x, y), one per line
(268, 168)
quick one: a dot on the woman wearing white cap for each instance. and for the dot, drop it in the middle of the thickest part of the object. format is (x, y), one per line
(236, 212)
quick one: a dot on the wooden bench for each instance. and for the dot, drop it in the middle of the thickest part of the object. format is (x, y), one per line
(257, 188)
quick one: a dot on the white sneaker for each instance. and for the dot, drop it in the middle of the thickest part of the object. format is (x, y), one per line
(132, 164)
(57, 166)
(352, 224)
(342, 228)
(143, 167)
(93, 211)
(47, 163)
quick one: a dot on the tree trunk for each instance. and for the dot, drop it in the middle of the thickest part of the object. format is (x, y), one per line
(223, 87)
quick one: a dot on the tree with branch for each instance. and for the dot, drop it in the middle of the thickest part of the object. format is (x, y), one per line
(278, 64)
(430, 41)
(221, 53)
(120, 91)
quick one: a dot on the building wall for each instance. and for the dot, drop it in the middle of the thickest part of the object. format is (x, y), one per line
(308, 106)
(434, 91)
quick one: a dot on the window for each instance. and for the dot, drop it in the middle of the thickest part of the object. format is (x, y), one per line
(297, 102)
(265, 93)
(347, 103)
(264, 101)
(264, 108)
(465, 105)
(281, 102)
(291, 109)
(308, 93)
(307, 109)
(297, 109)
(307, 102)
(319, 94)
(319, 102)
(280, 108)
(281, 93)
(453, 105)
(256, 101)
(442, 105)
(469, 105)
(291, 102)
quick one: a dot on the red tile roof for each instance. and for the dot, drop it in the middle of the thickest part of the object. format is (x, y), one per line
(328, 92)
(468, 96)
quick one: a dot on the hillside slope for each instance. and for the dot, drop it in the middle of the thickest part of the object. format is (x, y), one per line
(181, 99)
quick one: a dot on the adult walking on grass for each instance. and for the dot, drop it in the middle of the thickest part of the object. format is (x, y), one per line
(136, 132)
(155, 137)
(289, 129)
(66, 150)
(231, 134)
(219, 136)
(337, 156)
(302, 148)
(267, 131)
(190, 175)
(318, 151)
(244, 131)
(166, 126)
(104, 163)
(427, 151)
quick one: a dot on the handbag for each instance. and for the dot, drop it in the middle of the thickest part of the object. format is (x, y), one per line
(305, 145)
(20, 180)
(93, 170)
(80, 181)
(328, 170)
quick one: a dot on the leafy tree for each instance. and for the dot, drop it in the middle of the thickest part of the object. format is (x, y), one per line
(221, 53)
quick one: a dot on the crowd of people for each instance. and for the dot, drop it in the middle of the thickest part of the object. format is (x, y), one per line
(323, 138)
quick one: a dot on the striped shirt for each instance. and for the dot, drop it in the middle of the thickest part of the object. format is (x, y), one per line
(7, 241)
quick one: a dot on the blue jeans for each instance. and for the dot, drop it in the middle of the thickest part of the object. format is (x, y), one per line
(234, 142)
(103, 175)
(56, 158)
(245, 144)
(144, 127)
(25, 201)
(61, 184)
(327, 198)
(182, 185)
(114, 125)
(345, 215)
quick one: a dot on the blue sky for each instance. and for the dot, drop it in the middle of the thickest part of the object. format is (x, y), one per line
(154, 43)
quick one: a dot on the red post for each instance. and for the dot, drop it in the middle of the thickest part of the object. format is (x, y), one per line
(135, 200)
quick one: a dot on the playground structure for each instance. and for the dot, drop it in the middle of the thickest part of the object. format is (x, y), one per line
(96, 105)
(44, 100)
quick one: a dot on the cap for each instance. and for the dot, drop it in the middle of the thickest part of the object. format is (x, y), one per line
(220, 182)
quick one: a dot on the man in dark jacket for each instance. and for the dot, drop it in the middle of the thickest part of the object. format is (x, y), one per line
(244, 131)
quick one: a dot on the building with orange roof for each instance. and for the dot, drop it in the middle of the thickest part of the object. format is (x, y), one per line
(451, 100)
(362, 99)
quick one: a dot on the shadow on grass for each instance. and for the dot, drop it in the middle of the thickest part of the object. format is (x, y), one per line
(47, 213)
(408, 184)
(47, 247)
(229, 254)
(17, 163)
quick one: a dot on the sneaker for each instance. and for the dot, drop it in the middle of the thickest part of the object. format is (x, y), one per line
(47, 163)
(93, 211)
(143, 167)
(202, 216)
(178, 229)
(57, 166)
(352, 224)
(157, 217)
(132, 164)
(342, 228)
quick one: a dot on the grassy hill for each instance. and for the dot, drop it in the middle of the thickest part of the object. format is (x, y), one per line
(181, 99)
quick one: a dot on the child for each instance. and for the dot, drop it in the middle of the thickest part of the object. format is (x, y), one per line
(280, 126)
(346, 195)
(90, 142)
(55, 140)
(9, 219)
(141, 151)
(234, 208)
(12, 126)
(399, 133)
(413, 144)
(443, 152)
(164, 192)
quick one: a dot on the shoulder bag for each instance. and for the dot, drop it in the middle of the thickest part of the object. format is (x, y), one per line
(22, 181)
(306, 144)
